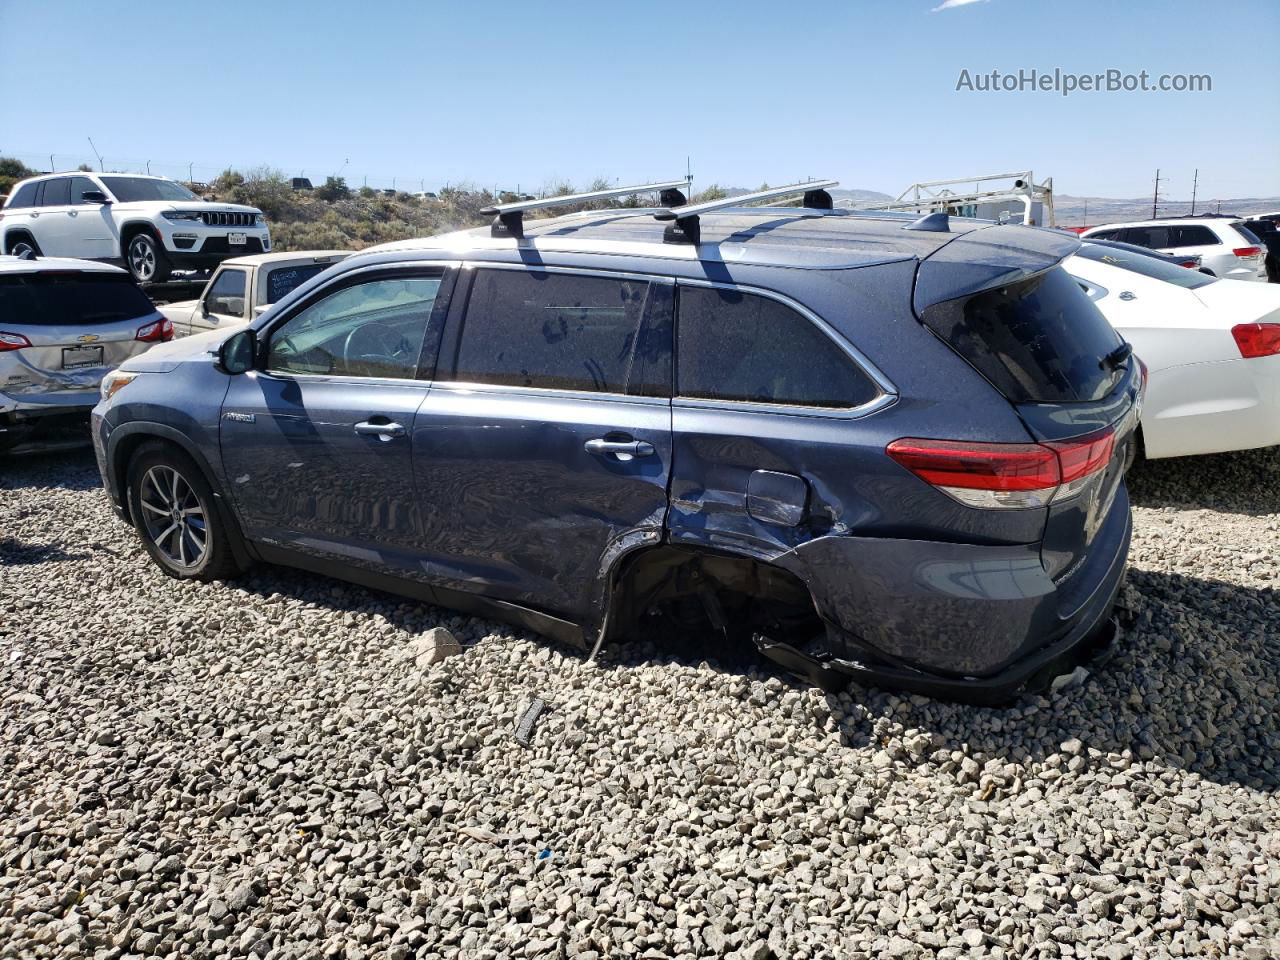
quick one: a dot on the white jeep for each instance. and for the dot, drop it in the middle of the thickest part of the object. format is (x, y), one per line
(148, 224)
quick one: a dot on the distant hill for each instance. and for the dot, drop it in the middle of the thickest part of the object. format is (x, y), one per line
(1072, 211)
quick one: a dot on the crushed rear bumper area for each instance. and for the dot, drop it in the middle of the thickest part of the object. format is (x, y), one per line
(1091, 645)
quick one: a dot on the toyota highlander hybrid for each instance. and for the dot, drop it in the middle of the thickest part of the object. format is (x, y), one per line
(878, 447)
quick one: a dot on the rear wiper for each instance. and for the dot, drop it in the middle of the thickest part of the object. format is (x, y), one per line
(1117, 357)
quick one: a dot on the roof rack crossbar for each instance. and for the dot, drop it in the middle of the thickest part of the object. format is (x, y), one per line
(686, 227)
(508, 218)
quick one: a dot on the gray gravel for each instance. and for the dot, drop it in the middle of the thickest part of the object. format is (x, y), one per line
(286, 766)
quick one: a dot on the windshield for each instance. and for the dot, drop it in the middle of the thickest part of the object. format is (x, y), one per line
(1147, 266)
(133, 189)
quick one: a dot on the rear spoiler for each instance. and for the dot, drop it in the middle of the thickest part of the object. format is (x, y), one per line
(989, 257)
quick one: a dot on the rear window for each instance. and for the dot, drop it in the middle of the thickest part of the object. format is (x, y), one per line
(1147, 266)
(284, 280)
(53, 299)
(1040, 340)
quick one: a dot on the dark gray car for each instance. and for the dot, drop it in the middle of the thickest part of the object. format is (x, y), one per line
(877, 448)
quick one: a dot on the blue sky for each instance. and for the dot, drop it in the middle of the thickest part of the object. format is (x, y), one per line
(502, 93)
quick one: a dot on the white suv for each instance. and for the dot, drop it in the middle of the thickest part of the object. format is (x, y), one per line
(149, 224)
(1226, 247)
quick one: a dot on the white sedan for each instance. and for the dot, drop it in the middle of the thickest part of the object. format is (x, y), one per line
(1211, 346)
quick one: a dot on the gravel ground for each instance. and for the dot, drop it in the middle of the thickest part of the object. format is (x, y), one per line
(266, 769)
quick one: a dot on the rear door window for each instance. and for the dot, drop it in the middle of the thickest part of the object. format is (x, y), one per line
(1040, 340)
(1192, 235)
(562, 331)
(60, 299)
(1157, 238)
(748, 348)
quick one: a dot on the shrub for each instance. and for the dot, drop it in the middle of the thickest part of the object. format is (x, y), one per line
(333, 188)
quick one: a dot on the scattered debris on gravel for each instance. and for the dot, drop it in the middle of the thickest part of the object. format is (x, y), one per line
(287, 766)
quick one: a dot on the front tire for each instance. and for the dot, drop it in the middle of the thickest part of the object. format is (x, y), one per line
(147, 260)
(174, 512)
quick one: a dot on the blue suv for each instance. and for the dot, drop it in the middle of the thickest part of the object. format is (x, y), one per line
(879, 447)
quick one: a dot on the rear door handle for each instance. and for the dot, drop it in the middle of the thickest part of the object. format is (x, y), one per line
(620, 448)
(383, 431)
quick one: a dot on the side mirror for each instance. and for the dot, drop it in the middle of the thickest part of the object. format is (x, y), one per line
(236, 354)
(94, 196)
(204, 308)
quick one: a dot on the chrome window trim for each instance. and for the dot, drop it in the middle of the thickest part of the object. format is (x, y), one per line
(888, 391)
(283, 375)
(540, 393)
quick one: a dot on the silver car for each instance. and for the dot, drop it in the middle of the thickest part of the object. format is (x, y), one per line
(63, 325)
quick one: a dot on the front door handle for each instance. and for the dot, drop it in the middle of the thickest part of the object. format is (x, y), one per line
(623, 449)
(383, 431)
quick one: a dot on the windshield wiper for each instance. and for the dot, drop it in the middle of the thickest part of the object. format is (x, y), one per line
(1117, 357)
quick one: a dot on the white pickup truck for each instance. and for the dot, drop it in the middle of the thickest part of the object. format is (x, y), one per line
(245, 286)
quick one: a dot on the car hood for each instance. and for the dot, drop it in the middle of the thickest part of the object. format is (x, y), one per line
(163, 357)
(159, 206)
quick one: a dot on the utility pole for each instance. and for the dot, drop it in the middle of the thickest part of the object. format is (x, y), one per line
(96, 154)
(1219, 206)
(1155, 196)
(148, 168)
(1086, 211)
(1195, 180)
(190, 179)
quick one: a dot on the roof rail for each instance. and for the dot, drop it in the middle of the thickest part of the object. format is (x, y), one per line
(508, 218)
(686, 228)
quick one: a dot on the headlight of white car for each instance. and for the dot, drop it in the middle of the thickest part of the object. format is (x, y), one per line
(114, 381)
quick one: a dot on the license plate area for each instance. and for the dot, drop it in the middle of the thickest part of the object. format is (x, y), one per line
(237, 239)
(76, 358)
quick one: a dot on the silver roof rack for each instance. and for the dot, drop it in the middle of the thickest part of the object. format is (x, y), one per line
(508, 218)
(686, 227)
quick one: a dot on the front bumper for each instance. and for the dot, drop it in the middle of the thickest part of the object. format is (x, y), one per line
(188, 242)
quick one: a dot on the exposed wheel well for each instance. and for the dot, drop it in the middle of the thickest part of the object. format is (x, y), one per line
(20, 233)
(709, 591)
(131, 230)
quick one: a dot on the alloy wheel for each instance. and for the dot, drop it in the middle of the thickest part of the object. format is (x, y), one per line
(142, 258)
(174, 517)
(22, 249)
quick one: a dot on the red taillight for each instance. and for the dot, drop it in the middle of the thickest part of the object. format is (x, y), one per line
(1190, 264)
(1247, 253)
(13, 341)
(157, 332)
(1257, 339)
(1006, 475)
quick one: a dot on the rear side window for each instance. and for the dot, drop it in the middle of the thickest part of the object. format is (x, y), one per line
(1040, 340)
(59, 299)
(284, 280)
(748, 348)
(1192, 235)
(24, 196)
(560, 331)
(1247, 233)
